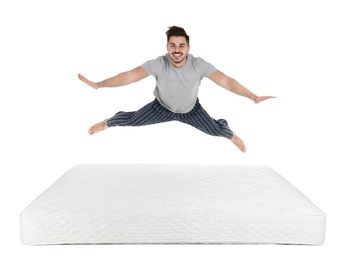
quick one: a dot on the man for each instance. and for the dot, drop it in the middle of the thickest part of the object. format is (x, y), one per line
(178, 77)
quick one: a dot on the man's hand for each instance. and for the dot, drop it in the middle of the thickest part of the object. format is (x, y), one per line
(262, 98)
(88, 82)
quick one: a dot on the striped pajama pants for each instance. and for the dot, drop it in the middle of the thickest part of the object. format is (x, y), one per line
(154, 113)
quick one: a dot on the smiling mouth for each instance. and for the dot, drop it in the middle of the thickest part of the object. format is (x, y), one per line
(177, 55)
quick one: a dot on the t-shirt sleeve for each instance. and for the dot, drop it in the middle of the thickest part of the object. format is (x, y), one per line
(152, 67)
(205, 68)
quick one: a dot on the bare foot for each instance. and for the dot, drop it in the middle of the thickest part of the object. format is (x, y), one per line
(238, 142)
(98, 127)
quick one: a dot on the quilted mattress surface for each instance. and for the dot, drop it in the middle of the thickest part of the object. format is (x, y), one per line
(172, 204)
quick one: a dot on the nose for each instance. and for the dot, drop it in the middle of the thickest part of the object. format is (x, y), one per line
(177, 49)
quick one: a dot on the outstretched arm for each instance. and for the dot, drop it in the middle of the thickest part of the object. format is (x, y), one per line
(232, 85)
(120, 79)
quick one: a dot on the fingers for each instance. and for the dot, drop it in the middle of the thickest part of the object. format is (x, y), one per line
(82, 78)
(263, 98)
(267, 97)
(88, 82)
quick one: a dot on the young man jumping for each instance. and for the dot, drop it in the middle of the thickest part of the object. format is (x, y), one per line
(178, 76)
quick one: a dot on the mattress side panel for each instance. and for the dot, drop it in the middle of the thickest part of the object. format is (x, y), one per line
(172, 229)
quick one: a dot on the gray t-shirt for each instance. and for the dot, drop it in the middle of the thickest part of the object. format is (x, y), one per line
(177, 88)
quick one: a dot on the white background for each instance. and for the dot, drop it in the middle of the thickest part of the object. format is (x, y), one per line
(285, 48)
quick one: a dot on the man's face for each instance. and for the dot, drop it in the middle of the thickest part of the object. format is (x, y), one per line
(177, 49)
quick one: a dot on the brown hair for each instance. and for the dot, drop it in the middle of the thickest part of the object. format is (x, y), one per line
(176, 31)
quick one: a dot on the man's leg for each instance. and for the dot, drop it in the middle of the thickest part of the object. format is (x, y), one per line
(201, 120)
(151, 113)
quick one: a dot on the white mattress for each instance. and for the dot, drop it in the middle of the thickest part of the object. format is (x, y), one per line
(170, 204)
